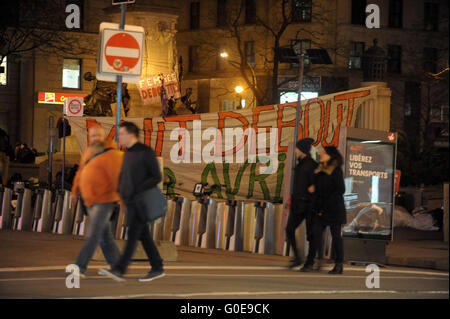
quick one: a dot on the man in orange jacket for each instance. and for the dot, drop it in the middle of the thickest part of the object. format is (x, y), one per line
(97, 180)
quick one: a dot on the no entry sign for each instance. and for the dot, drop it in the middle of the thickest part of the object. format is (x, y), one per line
(121, 52)
(73, 106)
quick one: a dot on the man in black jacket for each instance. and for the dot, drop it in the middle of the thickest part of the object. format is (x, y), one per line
(140, 172)
(301, 200)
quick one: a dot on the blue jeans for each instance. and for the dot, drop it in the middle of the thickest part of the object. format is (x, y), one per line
(100, 232)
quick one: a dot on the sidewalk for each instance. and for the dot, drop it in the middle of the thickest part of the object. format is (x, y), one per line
(412, 248)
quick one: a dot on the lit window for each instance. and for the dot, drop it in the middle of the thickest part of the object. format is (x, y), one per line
(3, 72)
(356, 54)
(71, 74)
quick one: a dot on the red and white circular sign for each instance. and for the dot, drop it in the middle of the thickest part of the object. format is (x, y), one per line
(122, 52)
(73, 106)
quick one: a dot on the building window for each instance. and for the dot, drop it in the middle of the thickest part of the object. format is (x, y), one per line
(439, 113)
(229, 105)
(356, 54)
(301, 11)
(71, 74)
(4, 72)
(250, 11)
(250, 52)
(394, 64)
(195, 15)
(395, 13)
(300, 46)
(430, 60)
(221, 13)
(359, 12)
(193, 59)
(412, 98)
(431, 16)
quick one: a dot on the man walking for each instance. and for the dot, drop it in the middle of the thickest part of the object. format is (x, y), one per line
(97, 179)
(301, 200)
(140, 172)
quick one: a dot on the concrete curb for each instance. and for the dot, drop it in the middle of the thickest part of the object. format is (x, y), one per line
(417, 262)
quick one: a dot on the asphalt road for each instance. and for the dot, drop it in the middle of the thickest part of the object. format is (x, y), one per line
(32, 265)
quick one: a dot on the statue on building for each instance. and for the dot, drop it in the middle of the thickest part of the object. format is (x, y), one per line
(98, 103)
(190, 105)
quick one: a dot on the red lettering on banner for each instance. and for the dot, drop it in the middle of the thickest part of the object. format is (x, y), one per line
(319, 132)
(238, 116)
(351, 100)
(255, 126)
(281, 124)
(147, 131)
(160, 138)
(337, 129)
(182, 119)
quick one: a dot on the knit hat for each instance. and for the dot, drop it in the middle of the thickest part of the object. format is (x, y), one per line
(304, 145)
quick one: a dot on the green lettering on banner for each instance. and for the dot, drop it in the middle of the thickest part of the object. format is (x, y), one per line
(258, 178)
(280, 176)
(237, 183)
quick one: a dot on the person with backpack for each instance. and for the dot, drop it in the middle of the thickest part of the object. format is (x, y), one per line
(97, 179)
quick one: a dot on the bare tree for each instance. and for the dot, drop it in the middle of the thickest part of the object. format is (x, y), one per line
(272, 25)
(27, 25)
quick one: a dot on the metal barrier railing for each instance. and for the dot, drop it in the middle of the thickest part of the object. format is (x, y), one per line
(6, 216)
(231, 225)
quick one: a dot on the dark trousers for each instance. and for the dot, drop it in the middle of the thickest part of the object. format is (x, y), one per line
(301, 210)
(338, 243)
(138, 230)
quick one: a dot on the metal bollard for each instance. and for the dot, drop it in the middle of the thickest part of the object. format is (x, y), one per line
(208, 238)
(67, 215)
(260, 208)
(7, 218)
(279, 231)
(220, 225)
(2, 191)
(229, 232)
(37, 210)
(182, 235)
(79, 219)
(167, 222)
(268, 238)
(122, 224)
(46, 222)
(26, 213)
(58, 210)
(193, 222)
(19, 190)
(201, 227)
(237, 239)
(178, 203)
(248, 227)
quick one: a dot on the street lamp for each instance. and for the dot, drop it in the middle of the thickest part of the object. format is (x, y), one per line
(239, 89)
(237, 65)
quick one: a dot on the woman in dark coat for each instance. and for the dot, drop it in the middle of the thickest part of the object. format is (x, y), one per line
(328, 203)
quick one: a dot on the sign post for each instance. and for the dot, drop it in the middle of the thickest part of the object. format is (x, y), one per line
(119, 77)
(120, 55)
